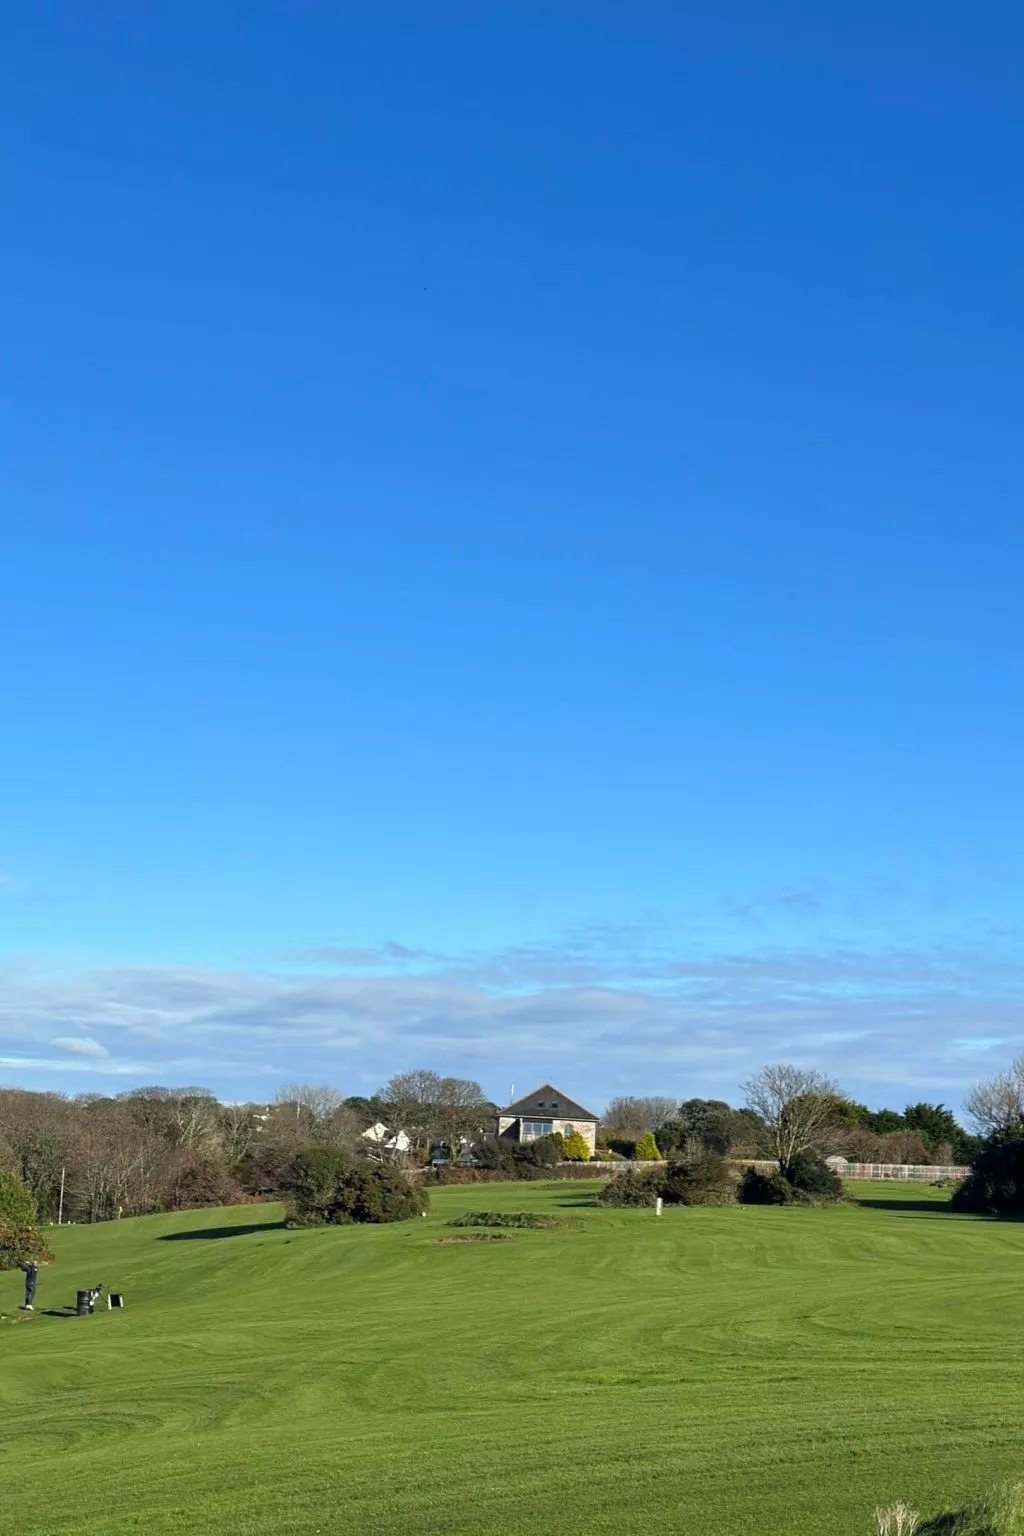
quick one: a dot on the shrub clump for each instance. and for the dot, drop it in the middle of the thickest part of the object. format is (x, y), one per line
(758, 1188)
(995, 1184)
(646, 1149)
(631, 1189)
(18, 1244)
(530, 1219)
(807, 1181)
(327, 1188)
(703, 1180)
(810, 1175)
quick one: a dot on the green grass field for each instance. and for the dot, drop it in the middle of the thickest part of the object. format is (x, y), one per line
(715, 1371)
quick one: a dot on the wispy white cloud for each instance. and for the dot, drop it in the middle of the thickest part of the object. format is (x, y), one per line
(77, 1045)
(598, 1008)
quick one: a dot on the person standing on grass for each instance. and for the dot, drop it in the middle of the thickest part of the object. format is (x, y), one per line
(31, 1269)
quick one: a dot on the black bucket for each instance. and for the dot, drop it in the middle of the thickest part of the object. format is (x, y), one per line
(84, 1304)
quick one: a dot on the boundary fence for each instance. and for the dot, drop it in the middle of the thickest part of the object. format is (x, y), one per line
(919, 1173)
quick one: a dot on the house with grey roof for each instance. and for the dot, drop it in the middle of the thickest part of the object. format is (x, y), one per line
(545, 1110)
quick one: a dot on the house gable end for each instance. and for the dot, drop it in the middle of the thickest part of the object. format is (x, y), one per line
(547, 1103)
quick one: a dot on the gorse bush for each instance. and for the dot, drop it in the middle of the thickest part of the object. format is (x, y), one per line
(810, 1182)
(16, 1204)
(327, 1188)
(995, 1185)
(810, 1175)
(758, 1188)
(704, 1180)
(631, 1189)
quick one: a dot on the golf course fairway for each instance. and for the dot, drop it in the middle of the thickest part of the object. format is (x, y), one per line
(770, 1372)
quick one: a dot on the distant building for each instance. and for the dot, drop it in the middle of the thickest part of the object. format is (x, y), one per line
(544, 1111)
(382, 1138)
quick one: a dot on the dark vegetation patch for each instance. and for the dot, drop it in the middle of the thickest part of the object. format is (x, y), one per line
(702, 1180)
(520, 1219)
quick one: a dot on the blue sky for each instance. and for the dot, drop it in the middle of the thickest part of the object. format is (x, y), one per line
(512, 545)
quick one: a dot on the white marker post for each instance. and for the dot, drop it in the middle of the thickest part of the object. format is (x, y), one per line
(658, 1205)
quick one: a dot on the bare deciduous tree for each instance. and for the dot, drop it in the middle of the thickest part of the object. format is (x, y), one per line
(410, 1100)
(462, 1111)
(796, 1107)
(998, 1104)
(631, 1117)
(320, 1100)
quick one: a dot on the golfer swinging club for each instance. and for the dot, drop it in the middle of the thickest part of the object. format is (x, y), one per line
(31, 1269)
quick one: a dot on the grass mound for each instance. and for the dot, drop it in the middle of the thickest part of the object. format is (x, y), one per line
(476, 1237)
(521, 1219)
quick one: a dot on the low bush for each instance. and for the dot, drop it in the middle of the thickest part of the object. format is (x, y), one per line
(631, 1189)
(327, 1188)
(810, 1175)
(757, 1188)
(995, 1184)
(810, 1182)
(703, 1180)
(19, 1243)
(531, 1219)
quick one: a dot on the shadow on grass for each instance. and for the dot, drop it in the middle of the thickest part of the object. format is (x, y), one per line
(882, 1203)
(211, 1234)
(590, 1205)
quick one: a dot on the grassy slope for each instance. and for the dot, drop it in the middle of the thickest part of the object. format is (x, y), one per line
(717, 1372)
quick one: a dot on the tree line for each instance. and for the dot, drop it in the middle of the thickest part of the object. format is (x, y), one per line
(783, 1104)
(93, 1157)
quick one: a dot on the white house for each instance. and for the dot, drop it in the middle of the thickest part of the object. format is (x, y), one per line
(381, 1137)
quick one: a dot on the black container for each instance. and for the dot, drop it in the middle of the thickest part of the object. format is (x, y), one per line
(84, 1303)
